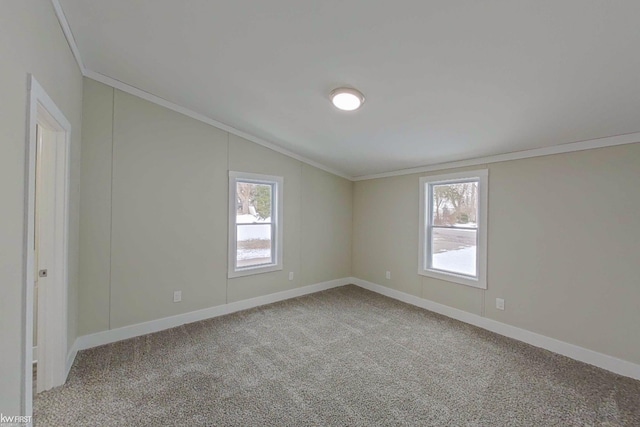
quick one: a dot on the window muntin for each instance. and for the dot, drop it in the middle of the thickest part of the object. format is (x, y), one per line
(255, 230)
(453, 227)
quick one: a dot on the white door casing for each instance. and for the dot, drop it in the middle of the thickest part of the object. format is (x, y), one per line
(53, 251)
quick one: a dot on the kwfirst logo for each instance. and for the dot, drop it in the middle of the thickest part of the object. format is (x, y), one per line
(14, 420)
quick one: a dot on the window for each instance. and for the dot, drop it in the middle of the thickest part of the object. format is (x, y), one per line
(255, 223)
(453, 227)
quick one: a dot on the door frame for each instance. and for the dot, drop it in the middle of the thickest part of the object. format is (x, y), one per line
(42, 110)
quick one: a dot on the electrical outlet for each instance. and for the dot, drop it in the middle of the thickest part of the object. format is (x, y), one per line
(177, 296)
(499, 303)
(388, 275)
(291, 275)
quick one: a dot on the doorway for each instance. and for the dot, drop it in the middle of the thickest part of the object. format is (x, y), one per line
(46, 245)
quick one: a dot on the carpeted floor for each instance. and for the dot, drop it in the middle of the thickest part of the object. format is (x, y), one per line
(343, 357)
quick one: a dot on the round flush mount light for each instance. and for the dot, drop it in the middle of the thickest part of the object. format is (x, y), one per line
(347, 99)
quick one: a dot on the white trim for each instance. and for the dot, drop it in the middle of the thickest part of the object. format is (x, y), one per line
(277, 221)
(117, 84)
(41, 108)
(610, 363)
(480, 281)
(126, 332)
(66, 29)
(604, 361)
(589, 144)
(205, 119)
(71, 357)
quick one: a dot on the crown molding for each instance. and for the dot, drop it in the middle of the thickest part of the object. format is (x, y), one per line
(117, 84)
(132, 90)
(68, 34)
(590, 144)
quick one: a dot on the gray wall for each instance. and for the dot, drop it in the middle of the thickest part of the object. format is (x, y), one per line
(155, 217)
(31, 41)
(562, 246)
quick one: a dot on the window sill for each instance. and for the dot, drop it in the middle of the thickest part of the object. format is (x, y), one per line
(455, 278)
(250, 271)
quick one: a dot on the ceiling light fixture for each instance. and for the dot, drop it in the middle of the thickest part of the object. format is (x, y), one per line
(347, 99)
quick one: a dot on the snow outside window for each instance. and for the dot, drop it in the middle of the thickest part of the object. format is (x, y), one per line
(255, 223)
(453, 230)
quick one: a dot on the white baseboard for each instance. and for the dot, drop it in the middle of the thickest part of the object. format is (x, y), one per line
(71, 356)
(610, 363)
(119, 334)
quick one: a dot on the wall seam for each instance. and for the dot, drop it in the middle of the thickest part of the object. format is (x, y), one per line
(113, 114)
(353, 230)
(226, 279)
(300, 276)
(483, 308)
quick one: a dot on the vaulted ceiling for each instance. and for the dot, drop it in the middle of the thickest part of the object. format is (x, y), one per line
(444, 80)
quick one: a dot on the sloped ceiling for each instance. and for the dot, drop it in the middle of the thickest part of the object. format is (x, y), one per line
(444, 80)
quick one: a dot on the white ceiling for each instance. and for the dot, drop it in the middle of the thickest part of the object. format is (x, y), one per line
(444, 80)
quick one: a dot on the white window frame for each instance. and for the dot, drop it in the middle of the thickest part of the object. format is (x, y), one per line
(426, 214)
(277, 183)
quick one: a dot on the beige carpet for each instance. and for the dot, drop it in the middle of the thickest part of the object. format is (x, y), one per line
(343, 357)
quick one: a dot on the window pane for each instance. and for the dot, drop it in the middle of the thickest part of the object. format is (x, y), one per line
(455, 204)
(253, 202)
(254, 245)
(454, 250)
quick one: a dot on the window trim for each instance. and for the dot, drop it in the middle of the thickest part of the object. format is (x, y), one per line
(277, 211)
(482, 175)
